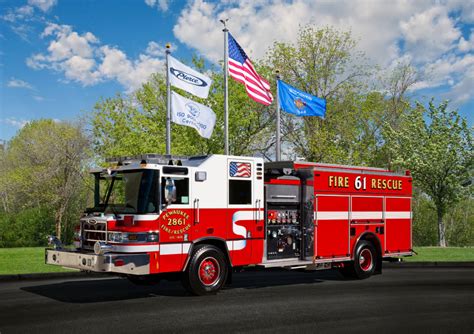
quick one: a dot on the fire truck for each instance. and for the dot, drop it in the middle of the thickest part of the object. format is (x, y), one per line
(201, 218)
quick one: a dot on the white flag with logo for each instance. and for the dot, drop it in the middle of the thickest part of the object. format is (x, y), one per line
(187, 112)
(187, 79)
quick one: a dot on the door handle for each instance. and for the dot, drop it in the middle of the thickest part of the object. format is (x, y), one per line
(196, 211)
(257, 205)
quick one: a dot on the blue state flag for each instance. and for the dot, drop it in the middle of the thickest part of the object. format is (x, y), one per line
(299, 103)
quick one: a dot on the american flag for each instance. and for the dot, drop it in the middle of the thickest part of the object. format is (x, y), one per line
(240, 169)
(242, 70)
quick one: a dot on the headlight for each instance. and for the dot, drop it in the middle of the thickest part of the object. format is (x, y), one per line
(125, 237)
(116, 237)
(153, 237)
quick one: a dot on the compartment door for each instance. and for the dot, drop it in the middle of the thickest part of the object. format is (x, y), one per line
(331, 226)
(398, 224)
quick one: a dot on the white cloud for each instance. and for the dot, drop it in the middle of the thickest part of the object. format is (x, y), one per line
(467, 45)
(17, 83)
(81, 58)
(15, 122)
(154, 49)
(44, 5)
(257, 24)
(158, 50)
(163, 5)
(455, 73)
(131, 74)
(70, 53)
(21, 19)
(425, 32)
(463, 7)
(25, 10)
(17, 14)
(430, 33)
(38, 98)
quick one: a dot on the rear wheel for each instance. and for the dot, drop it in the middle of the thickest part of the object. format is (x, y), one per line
(364, 264)
(207, 271)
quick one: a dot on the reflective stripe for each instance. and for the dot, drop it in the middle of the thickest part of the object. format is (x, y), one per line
(361, 215)
(236, 245)
(186, 248)
(141, 217)
(169, 249)
(398, 214)
(137, 248)
(174, 249)
(332, 215)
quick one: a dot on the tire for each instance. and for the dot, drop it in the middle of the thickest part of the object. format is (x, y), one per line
(207, 271)
(144, 280)
(364, 264)
(365, 260)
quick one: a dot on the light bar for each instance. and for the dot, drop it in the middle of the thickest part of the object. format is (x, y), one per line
(149, 158)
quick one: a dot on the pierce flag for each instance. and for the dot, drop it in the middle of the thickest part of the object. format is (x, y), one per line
(184, 77)
(189, 113)
(299, 103)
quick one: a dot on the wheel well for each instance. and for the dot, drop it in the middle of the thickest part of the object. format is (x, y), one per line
(219, 243)
(374, 240)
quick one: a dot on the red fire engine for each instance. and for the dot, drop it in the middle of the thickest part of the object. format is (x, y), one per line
(201, 218)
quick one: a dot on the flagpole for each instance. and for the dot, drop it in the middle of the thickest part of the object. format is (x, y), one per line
(226, 87)
(168, 101)
(278, 121)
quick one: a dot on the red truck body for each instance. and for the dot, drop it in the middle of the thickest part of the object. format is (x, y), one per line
(200, 218)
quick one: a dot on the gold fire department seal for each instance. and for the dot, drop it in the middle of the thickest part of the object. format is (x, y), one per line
(175, 222)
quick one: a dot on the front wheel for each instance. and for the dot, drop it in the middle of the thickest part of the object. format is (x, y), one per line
(207, 271)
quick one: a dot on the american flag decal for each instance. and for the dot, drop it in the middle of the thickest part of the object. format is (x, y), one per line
(240, 169)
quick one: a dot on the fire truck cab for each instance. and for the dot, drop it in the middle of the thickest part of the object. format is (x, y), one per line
(200, 218)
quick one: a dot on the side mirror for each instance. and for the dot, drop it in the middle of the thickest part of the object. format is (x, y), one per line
(170, 191)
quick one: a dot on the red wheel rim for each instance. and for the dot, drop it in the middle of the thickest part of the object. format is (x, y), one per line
(366, 260)
(209, 271)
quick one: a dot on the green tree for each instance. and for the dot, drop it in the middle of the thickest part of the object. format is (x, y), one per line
(436, 145)
(460, 223)
(396, 84)
(44, 167)
(323, 63)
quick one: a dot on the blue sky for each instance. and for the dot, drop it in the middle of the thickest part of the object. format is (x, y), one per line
(59, 57)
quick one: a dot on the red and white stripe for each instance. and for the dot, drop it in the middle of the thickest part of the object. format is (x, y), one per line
(257, 87)
(243, 170)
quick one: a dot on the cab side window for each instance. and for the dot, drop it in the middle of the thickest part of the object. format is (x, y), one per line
(240, 192)
(182, 189)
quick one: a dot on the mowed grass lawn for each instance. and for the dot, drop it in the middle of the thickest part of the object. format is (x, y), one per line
(27, 260)
(438, 254)
(30, 260)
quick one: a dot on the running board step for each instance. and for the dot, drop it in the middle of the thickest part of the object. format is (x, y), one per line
(307, 265)
(292, 264)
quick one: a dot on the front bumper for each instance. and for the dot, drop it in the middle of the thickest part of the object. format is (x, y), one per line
(132, 264)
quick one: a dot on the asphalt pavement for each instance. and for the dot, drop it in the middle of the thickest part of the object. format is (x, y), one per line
(408, 300)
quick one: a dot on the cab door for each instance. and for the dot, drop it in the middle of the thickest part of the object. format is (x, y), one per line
(176, 219)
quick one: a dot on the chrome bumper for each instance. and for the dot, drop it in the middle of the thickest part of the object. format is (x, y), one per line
(133, 264)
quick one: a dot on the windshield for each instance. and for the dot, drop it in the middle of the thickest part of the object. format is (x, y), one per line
(127, 192)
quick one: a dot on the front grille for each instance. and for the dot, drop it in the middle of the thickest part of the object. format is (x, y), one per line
(93, 229)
